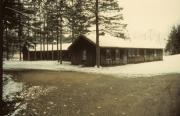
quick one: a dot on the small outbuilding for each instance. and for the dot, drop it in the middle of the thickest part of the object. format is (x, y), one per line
(113, 51)
(46, 52)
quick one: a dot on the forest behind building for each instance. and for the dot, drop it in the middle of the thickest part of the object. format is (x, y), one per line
(31, 22)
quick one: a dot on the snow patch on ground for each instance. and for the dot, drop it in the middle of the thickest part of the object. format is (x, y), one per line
(20, 108)
(15, 90)
(10, 88)
(170, 64)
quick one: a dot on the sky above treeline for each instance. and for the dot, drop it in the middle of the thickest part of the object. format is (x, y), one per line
(151, 16)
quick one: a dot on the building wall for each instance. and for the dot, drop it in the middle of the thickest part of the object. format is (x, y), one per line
(83, 53)
(113, 56)
(45, 55)
(153, 55)
(110, 56)
(135, 55)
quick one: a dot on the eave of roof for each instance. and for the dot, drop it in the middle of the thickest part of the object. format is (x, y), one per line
(39, 47)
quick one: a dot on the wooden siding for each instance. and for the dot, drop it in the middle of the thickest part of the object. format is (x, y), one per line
(131, 55)
(109, 55)
(77, 53)
(113, 58)
(44, 55)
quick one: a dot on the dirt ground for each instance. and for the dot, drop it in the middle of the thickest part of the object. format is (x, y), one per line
(82, 94)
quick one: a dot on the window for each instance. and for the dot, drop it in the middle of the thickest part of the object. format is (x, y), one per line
(155, 53)
(84, 55)
(145, 52)
(129, 53)
(117, 54)
(133, 52)
(137, 52)
(108, 54)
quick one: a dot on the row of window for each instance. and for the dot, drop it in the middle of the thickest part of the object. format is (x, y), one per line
(153, 53)
(131, 53)
(117, 54)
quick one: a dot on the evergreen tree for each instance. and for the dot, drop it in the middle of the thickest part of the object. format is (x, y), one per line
(110, 17)
(78, 21)
(173, 45)
(10, 23)
(16, 20)
(97, 34)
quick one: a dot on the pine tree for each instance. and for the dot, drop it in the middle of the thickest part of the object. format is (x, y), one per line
(110, 17)
(78, 20)
(173, 45)
(100, 12)
(10, 22)
(97, 34)
(17, 21)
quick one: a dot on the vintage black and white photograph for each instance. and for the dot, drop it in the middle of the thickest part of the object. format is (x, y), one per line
(90, 57)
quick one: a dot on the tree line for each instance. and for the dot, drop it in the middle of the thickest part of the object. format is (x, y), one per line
(32, 22)
(173, 44)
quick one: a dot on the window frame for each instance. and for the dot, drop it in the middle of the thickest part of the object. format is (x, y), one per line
(108, 54)
(117, 54)
(84, 55)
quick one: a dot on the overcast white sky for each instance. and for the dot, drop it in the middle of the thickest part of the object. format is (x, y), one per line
(144, 16)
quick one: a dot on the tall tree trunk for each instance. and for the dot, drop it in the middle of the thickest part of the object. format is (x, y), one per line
(61, 29)
(47, 47)
(44, 35)
(7, 43)
(97, 36)
(1, 49)
(40, 45)
(35, 35)
(73, 31)
(13, 45)
(72, 28)
(52, 55)
(19, 32)
(43, 49)
(57, 39)
(35, 53)
(28, 40)
(61, 46)
(19, 39)
(57, 31)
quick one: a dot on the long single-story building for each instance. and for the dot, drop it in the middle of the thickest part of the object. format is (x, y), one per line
(46, 52)
(113, 51)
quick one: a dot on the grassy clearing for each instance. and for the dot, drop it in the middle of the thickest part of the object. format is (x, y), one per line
(82, 94)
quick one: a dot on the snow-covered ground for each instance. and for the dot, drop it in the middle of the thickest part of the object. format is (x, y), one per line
(10, 90)
(10, 87)
(13, 90)
(170, 64)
